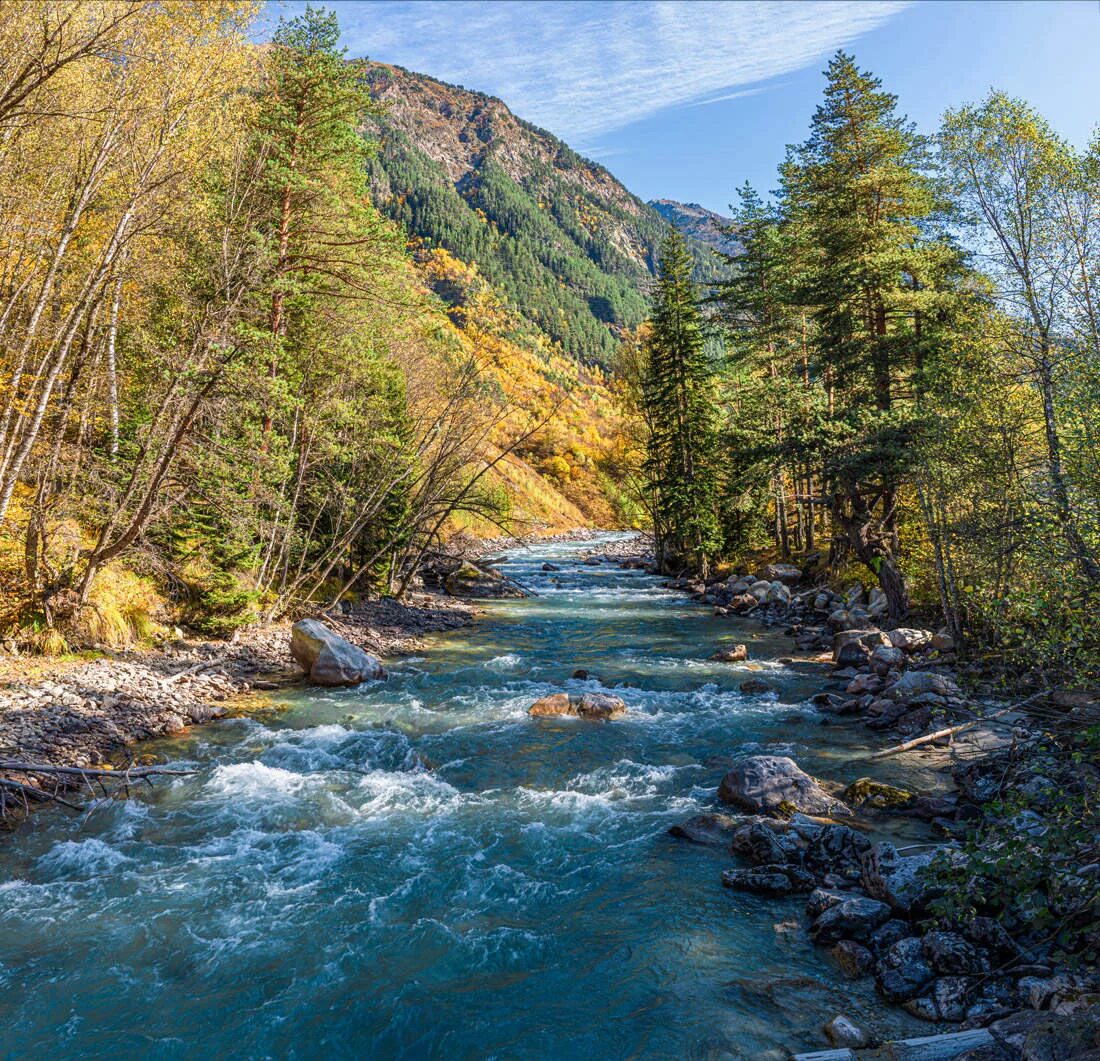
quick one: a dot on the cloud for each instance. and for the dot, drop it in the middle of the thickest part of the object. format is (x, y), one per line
(586, 69)
(727, 95)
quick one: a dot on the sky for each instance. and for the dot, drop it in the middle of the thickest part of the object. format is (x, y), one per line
(688, 99)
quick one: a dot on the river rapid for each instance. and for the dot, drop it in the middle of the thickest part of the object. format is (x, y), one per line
(416, 869)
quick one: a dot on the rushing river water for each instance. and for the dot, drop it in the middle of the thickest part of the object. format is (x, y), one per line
(416, 869)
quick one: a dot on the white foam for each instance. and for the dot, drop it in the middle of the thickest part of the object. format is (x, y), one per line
(79, 858)
(257, 779)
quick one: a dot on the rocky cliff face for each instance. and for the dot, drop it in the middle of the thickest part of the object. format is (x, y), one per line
(699, 223)
(569, 247)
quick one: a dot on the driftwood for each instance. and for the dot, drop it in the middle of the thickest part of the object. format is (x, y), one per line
(927, 1048)
(938, 735)
(66, 777)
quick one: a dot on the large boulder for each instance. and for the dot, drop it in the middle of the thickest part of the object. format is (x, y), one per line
(469, 580)
(599, 706)
(330, 660)
(774, 784)
(909, 640)
(551, 706)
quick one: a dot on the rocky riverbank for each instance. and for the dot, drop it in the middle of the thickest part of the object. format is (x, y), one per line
(89, 712)
(92, 711)
(930, 924)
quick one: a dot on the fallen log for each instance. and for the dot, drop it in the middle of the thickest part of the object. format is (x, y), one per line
(61, 776)
(131, 772)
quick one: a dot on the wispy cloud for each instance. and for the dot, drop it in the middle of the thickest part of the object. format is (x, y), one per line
(585, 69)
(727, 95)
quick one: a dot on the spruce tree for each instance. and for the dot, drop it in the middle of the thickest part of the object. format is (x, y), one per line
(681, 462)
(882, 291)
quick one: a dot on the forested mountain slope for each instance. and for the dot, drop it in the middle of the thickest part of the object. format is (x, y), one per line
(568, 246)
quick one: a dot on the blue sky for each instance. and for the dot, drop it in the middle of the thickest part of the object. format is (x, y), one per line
(687, 100)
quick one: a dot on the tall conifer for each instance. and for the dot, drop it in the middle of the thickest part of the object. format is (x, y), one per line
(679, 393)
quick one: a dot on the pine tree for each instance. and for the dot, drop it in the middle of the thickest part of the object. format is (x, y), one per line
(882, 291)
(678, 392)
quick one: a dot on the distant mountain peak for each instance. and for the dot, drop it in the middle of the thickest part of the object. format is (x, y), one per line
(699, 223)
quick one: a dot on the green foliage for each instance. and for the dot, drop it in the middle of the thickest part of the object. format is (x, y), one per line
(1022, 862)
(678, 393)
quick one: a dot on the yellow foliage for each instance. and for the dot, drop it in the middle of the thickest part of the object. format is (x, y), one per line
(122, 608)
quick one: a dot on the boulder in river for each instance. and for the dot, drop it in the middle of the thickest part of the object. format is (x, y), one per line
(600, 707)
(550, 706)
(775, 785)
(731, 654)
(774, 880)
(328, 659)
(754, 687)
(717, 829)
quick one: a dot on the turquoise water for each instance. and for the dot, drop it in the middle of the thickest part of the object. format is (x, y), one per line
(415, 869)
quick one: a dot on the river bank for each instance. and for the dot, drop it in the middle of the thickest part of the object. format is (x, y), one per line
(85, 712)
(935, 929)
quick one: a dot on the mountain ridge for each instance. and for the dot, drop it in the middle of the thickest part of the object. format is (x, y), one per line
(567, 244)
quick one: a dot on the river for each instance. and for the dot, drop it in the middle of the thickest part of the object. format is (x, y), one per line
(416, 869)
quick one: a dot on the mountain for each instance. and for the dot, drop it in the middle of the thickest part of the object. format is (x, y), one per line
(699, 223)
(566, 245)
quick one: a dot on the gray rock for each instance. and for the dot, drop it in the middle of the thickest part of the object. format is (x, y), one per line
(731, 654)
(716, 829)
(951, 994)
(774, 784)
(886, 658)
(774, 880)
(330, 660)
(836, 849)
(786, 573)
(902, 972)
(950, 955)
(759, 844)
(884, 937)
(599, 706)
(852, 958)
(909, 640)
(820, 900)
(918, 682)
(893, 878)
(865, 642)
(855, 918)
(841, 1032)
